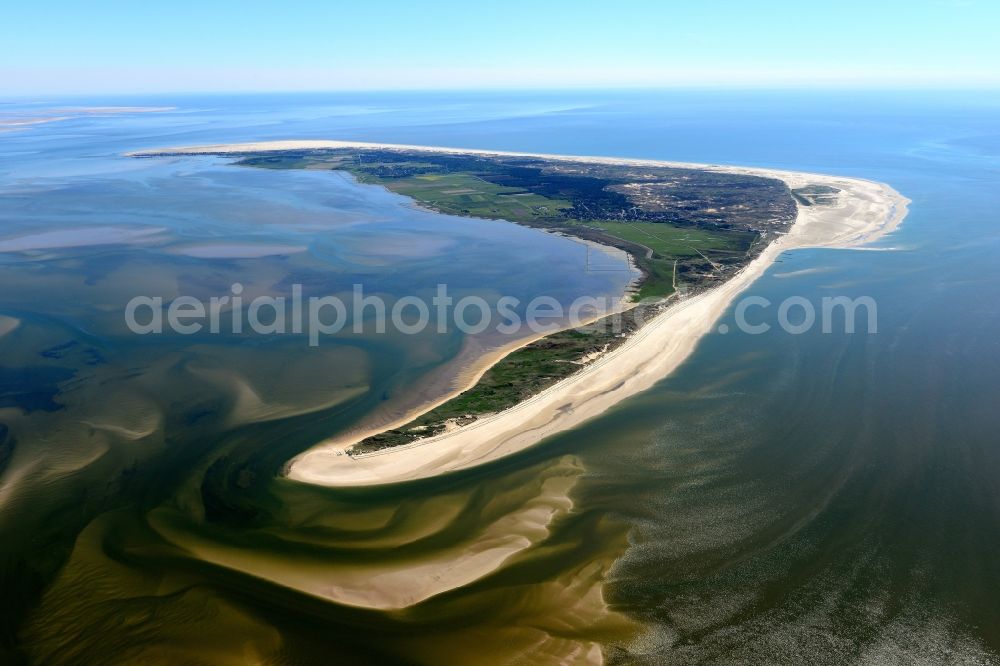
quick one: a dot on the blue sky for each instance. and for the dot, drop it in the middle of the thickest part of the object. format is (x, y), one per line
(110, 47)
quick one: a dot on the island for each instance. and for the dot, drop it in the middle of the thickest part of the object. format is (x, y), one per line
(698, 234)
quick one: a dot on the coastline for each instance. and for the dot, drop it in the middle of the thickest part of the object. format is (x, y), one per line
(865, 211)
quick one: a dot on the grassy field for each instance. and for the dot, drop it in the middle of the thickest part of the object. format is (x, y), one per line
(674, 242)
(676, 247)
(466, 194)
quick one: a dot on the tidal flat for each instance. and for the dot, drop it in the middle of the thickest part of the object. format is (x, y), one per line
(819, 497)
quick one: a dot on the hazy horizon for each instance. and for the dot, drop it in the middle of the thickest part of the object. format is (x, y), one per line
(55, 97)
(112, 48)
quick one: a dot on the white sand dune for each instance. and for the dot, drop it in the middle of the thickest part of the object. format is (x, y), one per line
(865, 211)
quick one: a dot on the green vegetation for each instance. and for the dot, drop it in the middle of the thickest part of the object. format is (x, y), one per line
(674, 252)
(659, 278)
(671, 241)
(466, 194)
(518, 376)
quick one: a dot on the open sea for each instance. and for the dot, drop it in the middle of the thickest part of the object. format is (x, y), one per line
(822, 497)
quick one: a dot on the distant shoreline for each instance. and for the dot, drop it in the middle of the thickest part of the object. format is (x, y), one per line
(865, 211)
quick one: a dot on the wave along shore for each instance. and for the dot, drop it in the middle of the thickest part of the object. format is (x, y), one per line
(864, 211)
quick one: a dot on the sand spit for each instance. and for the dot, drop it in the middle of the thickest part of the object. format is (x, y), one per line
(865, 211)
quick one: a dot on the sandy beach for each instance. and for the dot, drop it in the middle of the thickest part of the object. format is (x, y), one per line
(864, 212)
